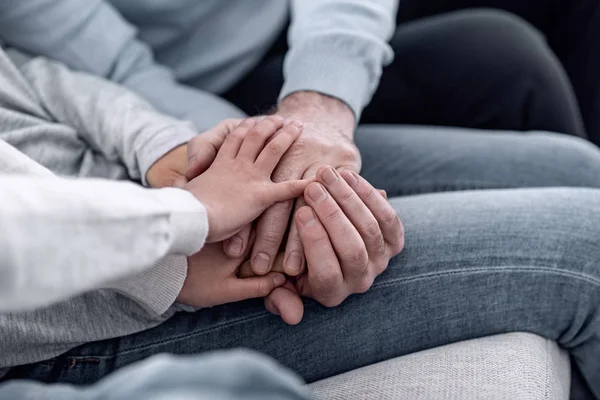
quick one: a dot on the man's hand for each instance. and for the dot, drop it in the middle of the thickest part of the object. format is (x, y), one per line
(349, 233)
(212, 280)
(326, 140)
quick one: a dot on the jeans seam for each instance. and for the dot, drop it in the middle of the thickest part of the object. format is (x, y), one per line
(387, 283)
(450, 186)
(482, 270)
(182, 336)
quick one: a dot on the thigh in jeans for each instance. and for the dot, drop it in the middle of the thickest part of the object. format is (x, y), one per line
(406, 160)
(475, 264)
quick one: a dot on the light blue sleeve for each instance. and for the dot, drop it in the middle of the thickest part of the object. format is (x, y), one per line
(91, 36)
(339, 48)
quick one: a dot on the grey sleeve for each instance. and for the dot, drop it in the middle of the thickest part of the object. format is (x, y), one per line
(92, 36)
(339, 48)
(112, 120)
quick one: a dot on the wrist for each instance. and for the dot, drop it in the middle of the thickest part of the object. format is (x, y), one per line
(318, 108)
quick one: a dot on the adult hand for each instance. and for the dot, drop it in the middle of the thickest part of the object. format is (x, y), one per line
(326, 140)
(212, 279)
(237, 187)
(185, 162)
(349, 233)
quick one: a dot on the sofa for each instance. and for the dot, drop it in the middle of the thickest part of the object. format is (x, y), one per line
(509, 366)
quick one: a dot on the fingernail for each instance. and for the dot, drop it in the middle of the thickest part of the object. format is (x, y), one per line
(306, 215)
(297, 124)
(329, 177)
(350, 178)
(279, 280)
(260, 263)
(316, 193)
(234, 246)
(294, 262)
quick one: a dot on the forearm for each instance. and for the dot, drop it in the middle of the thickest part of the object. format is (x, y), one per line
(343, 58)
(64, 237)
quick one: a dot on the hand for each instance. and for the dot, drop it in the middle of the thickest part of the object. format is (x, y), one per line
(326, 140)
(349, 233)
(189, 160)
(169, 170)
(212, 280)
(237, 186)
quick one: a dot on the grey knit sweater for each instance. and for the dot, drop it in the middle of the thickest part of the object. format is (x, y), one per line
(126, 242)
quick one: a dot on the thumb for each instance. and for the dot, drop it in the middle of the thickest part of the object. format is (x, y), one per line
(236, 289)
(287, 190)
(201, 154)
(203, 149)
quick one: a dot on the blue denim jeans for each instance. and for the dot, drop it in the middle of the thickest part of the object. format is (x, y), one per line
(219, 376)
(476, 263)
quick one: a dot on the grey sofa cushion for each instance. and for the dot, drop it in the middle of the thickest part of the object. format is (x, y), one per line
(509, 366)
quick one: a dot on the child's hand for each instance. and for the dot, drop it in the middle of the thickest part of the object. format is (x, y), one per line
(237, 187)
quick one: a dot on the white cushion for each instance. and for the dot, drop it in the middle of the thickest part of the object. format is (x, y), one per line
(509, 366)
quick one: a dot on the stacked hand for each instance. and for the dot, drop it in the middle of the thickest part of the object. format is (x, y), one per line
(343, 233)
(235, 188)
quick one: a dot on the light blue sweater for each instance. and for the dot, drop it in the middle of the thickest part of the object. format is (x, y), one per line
(338, 47)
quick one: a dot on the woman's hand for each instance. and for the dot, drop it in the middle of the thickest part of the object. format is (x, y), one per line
(212, 279)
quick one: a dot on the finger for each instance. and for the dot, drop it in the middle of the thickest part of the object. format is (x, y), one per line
(256, 138)
(390, 224)
(345, 238)
(236, 245)
(293, 263)
(326, 282)
(236, 289)
(383, 193)
(270, 231)
(246, 268)
(271, 154)
(285, 190)
(285, 302)
(203, 149)
(233, 141)
(356, 211)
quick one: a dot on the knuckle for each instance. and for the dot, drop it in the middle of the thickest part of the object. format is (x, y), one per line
(262, 289)
(368, 191)
(398, 244)
(273, 148)
(327, 281)
(331, 301)
(255, 135)
(390, 218)
(347, 195)
(364, 285)
(349, 152)
(372, 230)
(332, 214)
(381, 266)
(247, 123)
(270, 239)
(359, 260)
